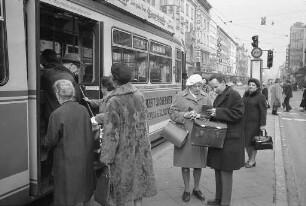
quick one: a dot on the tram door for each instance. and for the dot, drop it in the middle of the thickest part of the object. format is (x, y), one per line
(66, 32)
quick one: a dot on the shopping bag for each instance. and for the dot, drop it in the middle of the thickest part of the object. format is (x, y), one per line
(103, 185)
(263, 141)
(175, 133)
(208, 133)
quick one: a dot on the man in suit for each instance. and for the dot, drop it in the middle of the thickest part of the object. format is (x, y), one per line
(228, 108)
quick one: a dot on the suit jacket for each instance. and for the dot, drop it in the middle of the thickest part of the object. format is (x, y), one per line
(229, 109)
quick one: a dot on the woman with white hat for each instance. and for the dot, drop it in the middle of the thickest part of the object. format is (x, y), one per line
(187, 106)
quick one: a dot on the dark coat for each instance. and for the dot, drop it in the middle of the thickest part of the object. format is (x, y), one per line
(69, 132)
(229, 109)
(288, 91)
(255, 115)
(48, 78)
(265, 92)
(189, 156)
(126, 145)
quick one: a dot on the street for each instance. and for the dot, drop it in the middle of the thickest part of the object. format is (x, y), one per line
(293, 133)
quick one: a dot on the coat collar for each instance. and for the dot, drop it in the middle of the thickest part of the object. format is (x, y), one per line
(188, 95)
(121, 90)
(222, 97)
(249, 94)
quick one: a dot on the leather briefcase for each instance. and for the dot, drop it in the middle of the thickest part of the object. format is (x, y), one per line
(263, 141)
(175, 133)
(208, 133)
(103, 185)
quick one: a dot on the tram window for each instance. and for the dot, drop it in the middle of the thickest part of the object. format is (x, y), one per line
(122, 38)
(136, 60)
(160, 69)
(160, 63)
(178, 65)
(3, 48)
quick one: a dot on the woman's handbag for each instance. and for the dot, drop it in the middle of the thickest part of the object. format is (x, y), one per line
(208, 133)
(263, 141)
(103, 185)
(175, 133)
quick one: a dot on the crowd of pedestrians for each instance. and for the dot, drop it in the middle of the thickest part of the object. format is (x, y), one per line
(125, 147)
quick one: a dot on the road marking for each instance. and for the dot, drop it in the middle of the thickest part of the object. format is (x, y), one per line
(299, 120)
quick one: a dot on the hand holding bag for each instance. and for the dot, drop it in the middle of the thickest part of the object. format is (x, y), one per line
(208, 133)
(263, 141)
(175, 133)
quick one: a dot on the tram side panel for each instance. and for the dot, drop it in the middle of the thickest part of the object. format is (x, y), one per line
(14, 156)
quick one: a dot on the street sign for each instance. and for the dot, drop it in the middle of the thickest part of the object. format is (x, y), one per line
(256, 52)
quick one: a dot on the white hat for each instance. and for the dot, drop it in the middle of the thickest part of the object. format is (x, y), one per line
(193, 79)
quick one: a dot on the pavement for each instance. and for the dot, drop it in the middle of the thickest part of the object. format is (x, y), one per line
(263, 185)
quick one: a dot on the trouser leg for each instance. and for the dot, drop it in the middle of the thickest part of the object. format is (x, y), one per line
(218, 184)
(226, 182)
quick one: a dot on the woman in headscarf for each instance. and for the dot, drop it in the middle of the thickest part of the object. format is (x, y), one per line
(187, 106)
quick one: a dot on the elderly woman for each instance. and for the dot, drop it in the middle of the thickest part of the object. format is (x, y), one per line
(187, 106)
(69, 133)
(125, 143)
(254, 117)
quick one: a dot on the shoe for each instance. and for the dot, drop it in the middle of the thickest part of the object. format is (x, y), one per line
(186, 196)
(247, 162)
(274, 113)
(250, 165)
(214, 202)
(198, 194)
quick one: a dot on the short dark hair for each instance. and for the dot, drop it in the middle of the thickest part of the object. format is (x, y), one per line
(219, 77)
(108, 83)
(49, 56)
(121, 72)
(254, 81)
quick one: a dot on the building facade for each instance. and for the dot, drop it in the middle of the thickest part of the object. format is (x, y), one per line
(202, 45)
(297, 47)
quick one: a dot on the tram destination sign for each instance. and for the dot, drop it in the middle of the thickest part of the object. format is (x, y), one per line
(256, 52)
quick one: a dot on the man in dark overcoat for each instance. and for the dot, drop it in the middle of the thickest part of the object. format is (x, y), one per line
(53, 71)
(288, 94)
(228, 108)
(69, 133)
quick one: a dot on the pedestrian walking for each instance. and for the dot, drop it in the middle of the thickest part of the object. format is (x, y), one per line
(69, 134)
(228, 108)
(303, 102)
(186, 106)
(265, 92)
(125, 144)
(288, 94)
(276, 96)
(255, 116)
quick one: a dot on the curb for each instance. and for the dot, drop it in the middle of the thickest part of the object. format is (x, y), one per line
(280, 181)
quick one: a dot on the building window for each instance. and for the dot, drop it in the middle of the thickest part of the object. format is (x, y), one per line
(4, 72)
(182, 6)
(187, 10)
(191, 13)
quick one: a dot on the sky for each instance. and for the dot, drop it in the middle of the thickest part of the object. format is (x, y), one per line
(242, 18)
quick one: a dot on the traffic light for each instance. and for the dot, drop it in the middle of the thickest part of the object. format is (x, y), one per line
(270, 59)
(255, 41)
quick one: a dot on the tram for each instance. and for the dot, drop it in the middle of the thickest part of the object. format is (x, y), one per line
(102, 34)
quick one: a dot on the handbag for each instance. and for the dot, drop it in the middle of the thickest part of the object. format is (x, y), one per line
(103, 185)
(175, 133)
(208, 133)
(263, 141)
